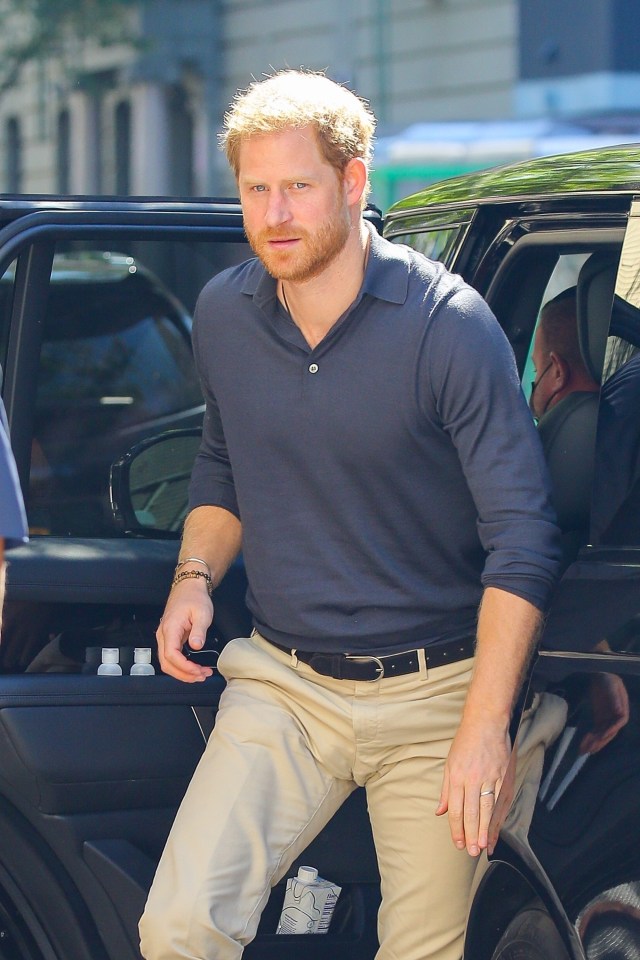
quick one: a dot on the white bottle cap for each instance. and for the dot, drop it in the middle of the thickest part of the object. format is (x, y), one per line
(110, 654)
(142, 655)
(308, 874)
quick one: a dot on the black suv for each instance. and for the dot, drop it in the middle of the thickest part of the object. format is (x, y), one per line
(92, 768)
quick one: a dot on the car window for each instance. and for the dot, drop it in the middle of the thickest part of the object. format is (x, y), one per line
(116, 347)
(116, 366)
(434, 244)
(559, 271)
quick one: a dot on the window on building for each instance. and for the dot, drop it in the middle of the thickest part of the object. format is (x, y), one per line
(181, 159)
(14, 155)
(123, 148)
(63, 159)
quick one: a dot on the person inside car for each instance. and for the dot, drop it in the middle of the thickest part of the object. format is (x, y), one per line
(564, 400)
(564, 380)
(560, 367)
(13, 524)
(374, 524)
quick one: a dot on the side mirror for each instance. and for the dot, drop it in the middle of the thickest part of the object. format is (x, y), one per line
(149, 484)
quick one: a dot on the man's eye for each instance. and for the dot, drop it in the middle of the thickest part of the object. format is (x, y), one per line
(300, 185)
(259, 188)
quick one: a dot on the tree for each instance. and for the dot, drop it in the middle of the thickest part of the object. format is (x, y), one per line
(35, 29)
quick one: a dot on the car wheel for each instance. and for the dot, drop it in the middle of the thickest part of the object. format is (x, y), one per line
(531, 935)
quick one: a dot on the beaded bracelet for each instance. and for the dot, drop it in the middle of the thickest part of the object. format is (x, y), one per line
(193, 574)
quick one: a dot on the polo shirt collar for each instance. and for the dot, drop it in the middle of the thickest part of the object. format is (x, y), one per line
(386, 276)
(387, 273)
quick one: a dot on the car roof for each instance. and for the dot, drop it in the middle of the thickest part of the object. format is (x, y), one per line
(24, 203)
(606, 170)
(117, 209)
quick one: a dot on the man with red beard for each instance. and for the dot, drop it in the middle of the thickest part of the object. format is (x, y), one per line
(367, 444)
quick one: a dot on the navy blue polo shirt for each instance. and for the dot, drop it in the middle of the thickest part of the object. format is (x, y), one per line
(382, 477)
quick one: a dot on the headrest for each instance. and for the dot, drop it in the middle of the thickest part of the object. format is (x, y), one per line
(594, 297)
(568, 435)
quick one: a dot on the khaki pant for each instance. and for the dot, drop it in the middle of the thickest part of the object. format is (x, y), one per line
(287, 749)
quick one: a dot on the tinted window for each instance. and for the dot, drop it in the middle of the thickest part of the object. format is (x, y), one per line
(565, 281)
(116, 366)
(119, 351)
(434, 244)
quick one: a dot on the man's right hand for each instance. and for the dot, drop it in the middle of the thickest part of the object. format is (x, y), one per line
(186, 618)
(209, 532)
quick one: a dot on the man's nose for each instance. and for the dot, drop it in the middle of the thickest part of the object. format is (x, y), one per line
(277, 211)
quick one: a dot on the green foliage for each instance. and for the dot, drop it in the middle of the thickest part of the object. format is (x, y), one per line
(43, 27)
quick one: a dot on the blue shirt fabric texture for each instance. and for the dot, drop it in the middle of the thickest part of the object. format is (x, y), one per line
(13, 523)
(384, 477)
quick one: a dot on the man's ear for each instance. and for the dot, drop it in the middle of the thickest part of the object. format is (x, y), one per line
(354, 179)
(560, 372)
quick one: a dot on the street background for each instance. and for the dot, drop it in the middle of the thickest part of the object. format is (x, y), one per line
(127, 96)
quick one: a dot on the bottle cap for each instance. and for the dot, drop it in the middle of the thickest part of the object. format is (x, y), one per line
(110, 654)
(308, 874)
(142, 655)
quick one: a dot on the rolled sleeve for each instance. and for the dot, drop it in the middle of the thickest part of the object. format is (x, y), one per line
(482, 407)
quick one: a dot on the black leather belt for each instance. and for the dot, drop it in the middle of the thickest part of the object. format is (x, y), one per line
(348, 666)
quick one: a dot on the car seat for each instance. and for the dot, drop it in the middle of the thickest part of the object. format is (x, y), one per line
(568, 430)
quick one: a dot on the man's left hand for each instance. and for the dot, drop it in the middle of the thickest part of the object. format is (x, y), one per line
(473, 777)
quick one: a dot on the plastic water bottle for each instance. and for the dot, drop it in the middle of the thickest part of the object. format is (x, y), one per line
(142, 666)
(110, 666)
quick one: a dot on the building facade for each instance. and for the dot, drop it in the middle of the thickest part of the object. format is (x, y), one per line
(582, 62)
(142, 117)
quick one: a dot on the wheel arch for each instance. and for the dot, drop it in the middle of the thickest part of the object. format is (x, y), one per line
(46, 903)
(503, 891)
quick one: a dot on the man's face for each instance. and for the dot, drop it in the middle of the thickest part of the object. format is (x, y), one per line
(295, 211)
(543, 384)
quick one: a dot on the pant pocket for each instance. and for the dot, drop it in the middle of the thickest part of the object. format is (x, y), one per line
(231, 658)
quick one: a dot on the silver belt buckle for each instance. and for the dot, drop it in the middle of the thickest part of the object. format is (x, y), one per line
(362, 659)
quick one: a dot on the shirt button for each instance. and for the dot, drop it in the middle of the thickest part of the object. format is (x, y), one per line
(313, 368)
